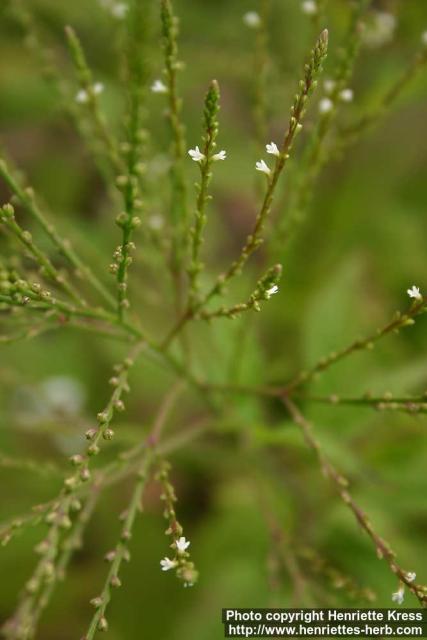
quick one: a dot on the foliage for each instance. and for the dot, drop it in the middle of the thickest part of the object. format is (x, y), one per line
(253, 403)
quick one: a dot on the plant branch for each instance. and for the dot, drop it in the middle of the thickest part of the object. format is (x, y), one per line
(341, 484)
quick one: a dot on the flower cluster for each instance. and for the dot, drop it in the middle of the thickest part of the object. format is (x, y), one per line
(185, 569)
(196, 155)
(262, 166)
(83, 96)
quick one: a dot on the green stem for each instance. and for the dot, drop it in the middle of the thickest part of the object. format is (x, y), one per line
(349, 134)
(85, 78)
(368, 342)
(119, 554)
(316, 155)
(254, 240)
(64, 246)
(7, 217)
(341, 485)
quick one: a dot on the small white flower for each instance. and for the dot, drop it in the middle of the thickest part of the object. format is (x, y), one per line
(309, 7)
(414, 292)
(182, 544)
(263, 167)
(273, 149)
(346, 95)
(156, 222)
(424, 38)
(270, 292)
(380, 30)
(196, 154)
(326, 105)
(222, 155)
(82, 96)
(119, 10)
(329, 85)
(252, 19)
(410, 576)
(167, 564)
(399, 595)
(159, 87)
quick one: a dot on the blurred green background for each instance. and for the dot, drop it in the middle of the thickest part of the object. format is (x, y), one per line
(345, 273)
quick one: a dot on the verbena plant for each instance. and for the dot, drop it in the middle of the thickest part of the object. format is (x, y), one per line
(46, 286)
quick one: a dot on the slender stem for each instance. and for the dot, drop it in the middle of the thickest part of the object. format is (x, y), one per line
(114, 472)
(211, 108)
(341, 485)
(128, 221)
(85, 78)
(129, 182)
(400, 321)
(40, 468)
(179, 204)
(59, 305)
(7, 217)
(368, 342)
(264, 289)
(26, 197)
(254, 240)
(408, 404)
(352, 132)
(23, 622)
(243, 389)
(58, 517)
(119, 554)
(260, 73)
(316, 155)
(70, 543)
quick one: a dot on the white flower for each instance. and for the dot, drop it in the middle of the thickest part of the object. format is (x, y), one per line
(167, 564)
(156, 222)
(119, 10)
(424, 38)
(380, 30)
(410, 576)
(329, 85)
(82, 96)
(182, 544)
(273, 149)
(414, 292)
(62, 394)
(263, 167)
(346, 95)
(252, 19)
(270, 292)
(222, 155)
(159, 87)
(309, 7)
(399, 595)
(196, 154)
(326, 105)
